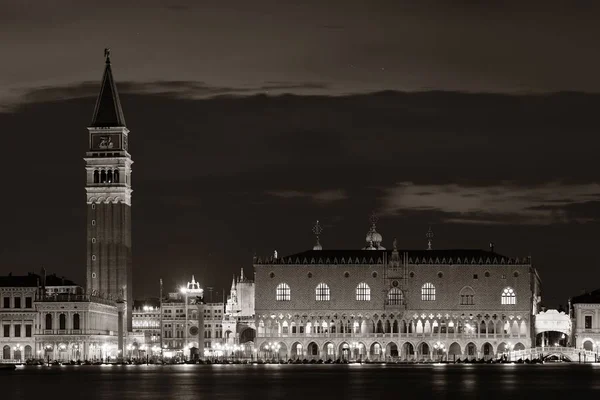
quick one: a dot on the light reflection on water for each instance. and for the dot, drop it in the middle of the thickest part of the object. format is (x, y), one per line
(259, 382)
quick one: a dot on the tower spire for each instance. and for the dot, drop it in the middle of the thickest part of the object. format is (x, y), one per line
(429, 236)
(317, 229)
(108, 111)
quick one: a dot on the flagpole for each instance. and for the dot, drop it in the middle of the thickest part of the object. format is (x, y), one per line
(161, 321)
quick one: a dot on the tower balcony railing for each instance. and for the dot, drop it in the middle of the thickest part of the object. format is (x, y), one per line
(76, 332)
(396, 335)
(73, 298)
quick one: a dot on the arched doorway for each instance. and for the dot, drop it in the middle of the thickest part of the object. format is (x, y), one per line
(423, 351)
(454, 352)
(502, 348)
(283, 352)
(296, 351)
(329, 351)
(312, 351)
(247, 335)
(471, 350)
(375, 352)
(391, 350)
(344, 351)
(488, 351)
(408, 351)
(6, 353)
(519, 346)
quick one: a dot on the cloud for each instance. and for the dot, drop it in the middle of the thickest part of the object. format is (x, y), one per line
(321, 197)
(503, 203)
(193, 90)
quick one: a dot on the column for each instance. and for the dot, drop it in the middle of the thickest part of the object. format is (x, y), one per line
(120, 328)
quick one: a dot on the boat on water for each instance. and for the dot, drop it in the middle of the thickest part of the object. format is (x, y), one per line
(7, 367)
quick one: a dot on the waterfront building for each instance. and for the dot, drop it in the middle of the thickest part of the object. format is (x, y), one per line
(239, 320)
(213, 327)
(18, 317)
(395, 304)
(108, 198)
(146, 327)
(50, 317)
(585, 315)
(183, 322)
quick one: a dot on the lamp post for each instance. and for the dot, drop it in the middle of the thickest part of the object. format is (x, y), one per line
(439, 349)
(129, 350)
(509, 347)
(103, 354)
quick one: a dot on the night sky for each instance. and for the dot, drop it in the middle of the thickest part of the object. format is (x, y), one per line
(251, 119)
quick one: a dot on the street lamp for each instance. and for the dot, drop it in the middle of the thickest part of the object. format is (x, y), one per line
(129, 349)
(439, 349)
(509, 347)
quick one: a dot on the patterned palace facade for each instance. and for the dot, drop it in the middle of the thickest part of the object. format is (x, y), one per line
(380, 304)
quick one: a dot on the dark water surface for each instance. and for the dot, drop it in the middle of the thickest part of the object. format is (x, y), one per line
(302, 382)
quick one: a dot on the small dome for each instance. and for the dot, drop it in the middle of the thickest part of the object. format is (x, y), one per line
(318, 247)
(374, 237)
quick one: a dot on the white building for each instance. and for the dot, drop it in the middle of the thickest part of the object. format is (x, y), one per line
(585, 314)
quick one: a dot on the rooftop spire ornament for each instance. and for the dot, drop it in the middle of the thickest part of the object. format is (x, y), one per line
(373, 218)
(429, 236)
(107, 55)
(317, 229)
(373, 238)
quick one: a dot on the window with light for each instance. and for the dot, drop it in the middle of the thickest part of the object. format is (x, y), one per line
(363, 292)
(322, 292)
(282, 292)
(509, 296)
(428, 292)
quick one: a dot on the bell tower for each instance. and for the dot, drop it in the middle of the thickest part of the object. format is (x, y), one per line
(108, 198)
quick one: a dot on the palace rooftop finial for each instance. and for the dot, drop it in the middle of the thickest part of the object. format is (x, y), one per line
(317, 229)
(373, 238)
(429, 236)
(107, 55)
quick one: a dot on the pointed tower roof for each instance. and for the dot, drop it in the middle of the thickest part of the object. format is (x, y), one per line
(233, 283)
(108, 112)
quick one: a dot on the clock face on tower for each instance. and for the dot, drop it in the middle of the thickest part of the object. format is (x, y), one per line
(106, 141)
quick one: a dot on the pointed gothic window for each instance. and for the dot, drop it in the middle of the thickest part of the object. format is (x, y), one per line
(467, 296)
(109, 176)
(322, 292)
(62, 322)
(48, 321)
(116, 176)
(282, 293)
(103, 177)
(76, 321)
(96, 177)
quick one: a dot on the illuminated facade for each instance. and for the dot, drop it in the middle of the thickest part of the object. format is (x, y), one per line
(182, 322)
(585, 315)
(238, 322)
(394, 304)
(49, 317)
